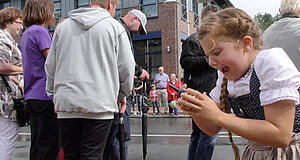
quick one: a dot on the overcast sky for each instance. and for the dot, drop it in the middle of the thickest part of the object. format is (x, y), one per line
(252, 7)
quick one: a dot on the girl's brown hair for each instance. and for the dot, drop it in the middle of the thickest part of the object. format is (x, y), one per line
(38, 12)
(8, 16)
(225, 108)
(234, 24)
(231, 23)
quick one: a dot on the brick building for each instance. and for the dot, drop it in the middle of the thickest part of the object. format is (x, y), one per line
(169, 24)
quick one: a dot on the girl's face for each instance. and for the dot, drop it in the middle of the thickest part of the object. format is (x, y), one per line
(227, 56)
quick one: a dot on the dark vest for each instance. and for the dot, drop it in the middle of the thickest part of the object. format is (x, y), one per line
(249, 106)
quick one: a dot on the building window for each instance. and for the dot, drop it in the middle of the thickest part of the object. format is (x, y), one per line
(184, 9)
(82, 3)
(195, 7)
(148, 55)
(196, 12)
(196, 20)
(5, 5)
(119, 11)
(57, 10)
(149, 7)
(23, 3)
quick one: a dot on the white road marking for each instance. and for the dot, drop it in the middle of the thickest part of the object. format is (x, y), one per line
(221, 135)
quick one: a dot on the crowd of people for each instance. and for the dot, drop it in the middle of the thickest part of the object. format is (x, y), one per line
(229, 67)
(161, 95)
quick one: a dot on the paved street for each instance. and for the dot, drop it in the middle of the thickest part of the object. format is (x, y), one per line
(168, 138)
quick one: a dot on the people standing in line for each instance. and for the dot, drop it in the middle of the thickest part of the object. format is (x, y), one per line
(161, 80)
(261, 87)
(200, 76)
(154, 99)
(134, 22)
(172, 94)
(101, 53)
(285, 33)
(11, 26)
(36, 42)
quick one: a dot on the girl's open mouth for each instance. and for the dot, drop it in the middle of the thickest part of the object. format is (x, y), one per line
(225, 70)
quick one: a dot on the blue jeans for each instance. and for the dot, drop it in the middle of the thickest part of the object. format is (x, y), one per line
(201, 145)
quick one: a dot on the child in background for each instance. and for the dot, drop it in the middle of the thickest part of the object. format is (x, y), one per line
(172, 94)
(174, 105)
(154, 99)
(260, 87)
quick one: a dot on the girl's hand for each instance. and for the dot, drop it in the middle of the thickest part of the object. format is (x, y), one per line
(200, 105)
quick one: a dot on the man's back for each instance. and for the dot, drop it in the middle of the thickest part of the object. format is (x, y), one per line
(285, 34)
(94, 63)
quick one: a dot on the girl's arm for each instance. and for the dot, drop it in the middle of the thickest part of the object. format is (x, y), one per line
(46, 51)
(139, 87)
(151, 94)
(276, 130)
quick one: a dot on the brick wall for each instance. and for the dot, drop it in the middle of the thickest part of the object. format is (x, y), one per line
(170, 33)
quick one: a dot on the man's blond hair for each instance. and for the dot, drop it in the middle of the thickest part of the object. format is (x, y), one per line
(289, 6)
(104, 3)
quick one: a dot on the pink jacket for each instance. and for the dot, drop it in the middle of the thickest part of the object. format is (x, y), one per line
(154, 95)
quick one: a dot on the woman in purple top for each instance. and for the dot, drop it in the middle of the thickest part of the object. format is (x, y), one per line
(36, 41)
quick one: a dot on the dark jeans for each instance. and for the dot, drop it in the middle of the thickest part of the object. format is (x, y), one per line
(84, 139)
(155, 105)
(138, 102)
(112, 150)
(44, 130)
(201, 145)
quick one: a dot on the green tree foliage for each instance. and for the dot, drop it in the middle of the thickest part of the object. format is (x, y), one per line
(265, 20)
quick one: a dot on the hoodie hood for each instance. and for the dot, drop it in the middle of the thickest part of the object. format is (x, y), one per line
(88, 17)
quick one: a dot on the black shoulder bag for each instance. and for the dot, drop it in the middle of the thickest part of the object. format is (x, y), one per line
(19, 105)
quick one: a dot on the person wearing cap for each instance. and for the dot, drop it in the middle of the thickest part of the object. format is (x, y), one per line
(134, 22)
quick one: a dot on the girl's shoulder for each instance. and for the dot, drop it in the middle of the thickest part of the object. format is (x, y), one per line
(278, 76)
(36, 30)
(273, 60)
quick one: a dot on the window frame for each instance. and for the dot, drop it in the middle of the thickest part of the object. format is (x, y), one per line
(81, 6)
(147, 53)
(155, 3)
(5, 4)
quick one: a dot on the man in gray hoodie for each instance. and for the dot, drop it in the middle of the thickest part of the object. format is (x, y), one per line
(90, 70)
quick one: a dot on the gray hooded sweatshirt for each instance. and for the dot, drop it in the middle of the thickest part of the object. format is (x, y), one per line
(89, 65)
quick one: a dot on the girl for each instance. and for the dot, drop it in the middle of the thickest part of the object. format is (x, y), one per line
(154, 99)
(172, 94)
(260, 87)
(36, 41)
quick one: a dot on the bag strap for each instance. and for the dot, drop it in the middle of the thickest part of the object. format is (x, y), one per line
(8, 87)
(6, 84)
